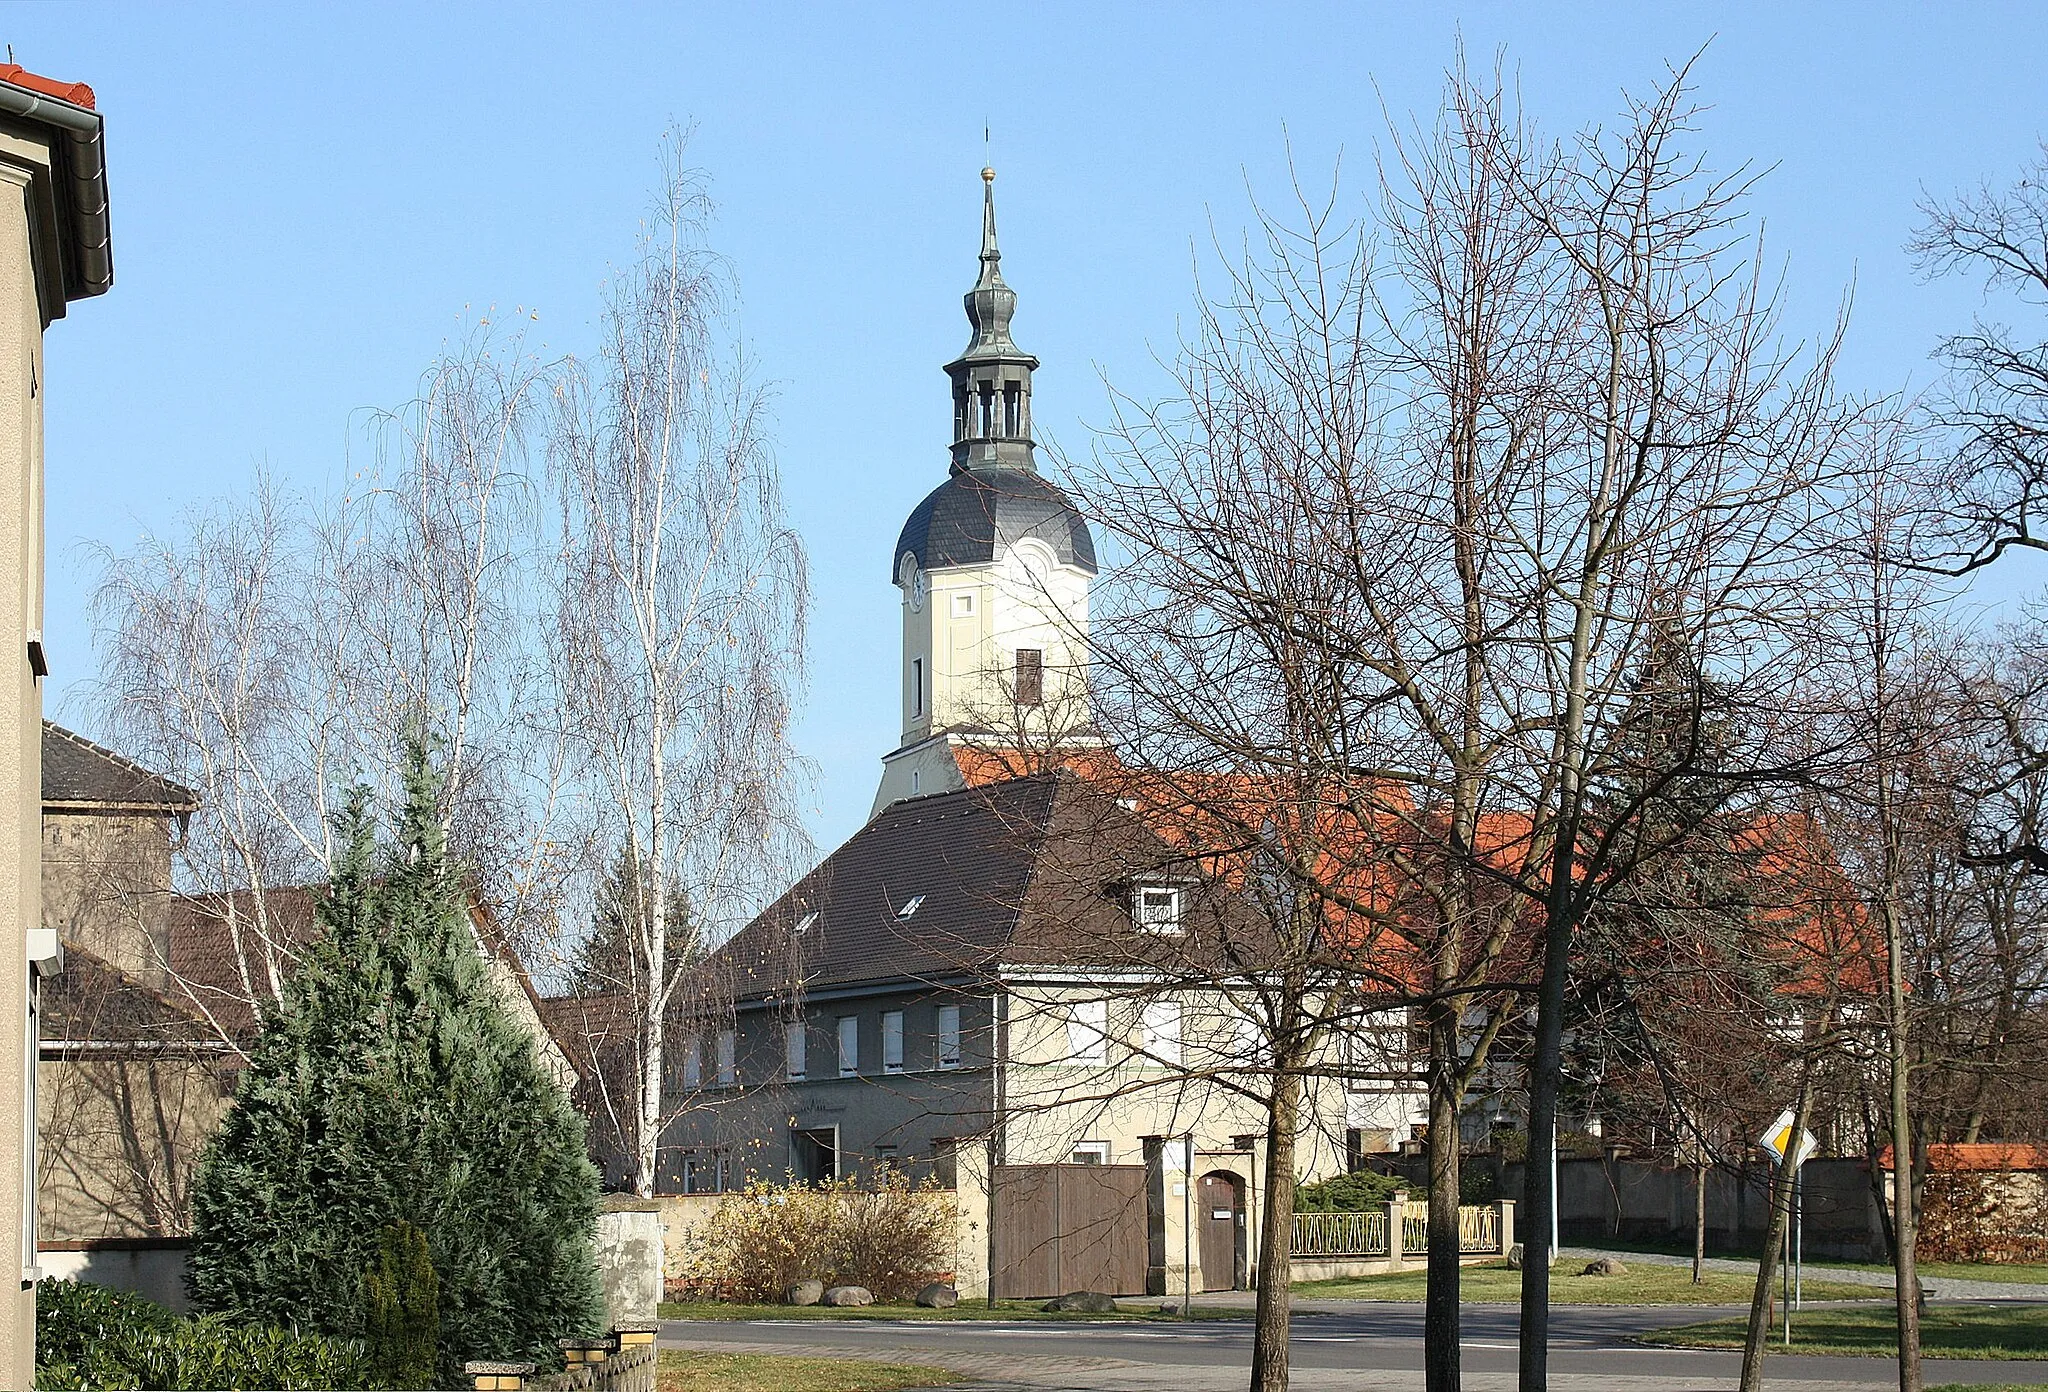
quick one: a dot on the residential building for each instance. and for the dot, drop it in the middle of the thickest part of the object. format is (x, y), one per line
(54, 248)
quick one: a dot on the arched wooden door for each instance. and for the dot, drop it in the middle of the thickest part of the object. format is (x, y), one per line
(1220, 1221)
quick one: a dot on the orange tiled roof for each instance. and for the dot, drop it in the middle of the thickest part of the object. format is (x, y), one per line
(77, 93)
(1980, 1155)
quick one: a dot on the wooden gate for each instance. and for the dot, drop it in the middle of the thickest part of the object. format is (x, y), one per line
(1061, 1228)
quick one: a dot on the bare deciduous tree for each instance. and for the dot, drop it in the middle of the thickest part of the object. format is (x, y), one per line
(679, 638)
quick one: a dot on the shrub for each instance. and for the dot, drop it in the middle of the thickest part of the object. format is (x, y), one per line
(390, 1083)
(401, 1309)
(1983, 1217)
(88, 1336)
(1356, 1192)
(891, 1237)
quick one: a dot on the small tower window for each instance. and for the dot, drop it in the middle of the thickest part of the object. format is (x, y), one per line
(988, 410)
(1029, 682)
(917, 686)
(963, 606)
(1013, 396)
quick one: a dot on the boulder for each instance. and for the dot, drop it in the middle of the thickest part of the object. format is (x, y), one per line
(804, 1293)
(1081, 1303)
(1604, 1266)
(1515, 1257)
(849, 1295)
(938, 1296)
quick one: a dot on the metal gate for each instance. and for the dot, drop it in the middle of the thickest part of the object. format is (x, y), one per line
(1060, 1228)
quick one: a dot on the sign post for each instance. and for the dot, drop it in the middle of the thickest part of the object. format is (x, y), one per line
(1790, 1144)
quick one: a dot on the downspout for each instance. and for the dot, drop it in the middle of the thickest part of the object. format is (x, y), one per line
(86, 162)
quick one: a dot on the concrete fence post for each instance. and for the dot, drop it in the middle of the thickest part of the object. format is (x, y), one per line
(1397, 1212)
(491, 1376)
(1507, 1225)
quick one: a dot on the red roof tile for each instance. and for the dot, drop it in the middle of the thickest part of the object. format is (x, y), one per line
(77, 93)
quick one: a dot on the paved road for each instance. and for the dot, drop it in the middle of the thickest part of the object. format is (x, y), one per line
(1370, 1345)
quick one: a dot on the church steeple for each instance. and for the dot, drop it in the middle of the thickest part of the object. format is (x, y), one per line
(992, 379)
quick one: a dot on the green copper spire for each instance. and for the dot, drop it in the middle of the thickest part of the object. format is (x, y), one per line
(992, 379)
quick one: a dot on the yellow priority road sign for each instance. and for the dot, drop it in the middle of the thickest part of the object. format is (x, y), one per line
(1779, 1140)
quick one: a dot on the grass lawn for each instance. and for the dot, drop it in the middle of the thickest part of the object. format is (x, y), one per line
(1985, 1387)
(1949, 1331)
(2016, 1273)
(1137, 1307)
(1644, 1284)
(682, 1370)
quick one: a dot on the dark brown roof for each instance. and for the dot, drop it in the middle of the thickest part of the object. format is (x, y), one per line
(93, 1001)
(77, 772)
(204, 966)
(1024, 872)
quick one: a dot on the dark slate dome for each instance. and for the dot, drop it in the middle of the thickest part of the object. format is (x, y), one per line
(966, 519)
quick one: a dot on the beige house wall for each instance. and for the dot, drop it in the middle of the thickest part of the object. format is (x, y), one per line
(21, 722)
(107, 886)
(119, 1140)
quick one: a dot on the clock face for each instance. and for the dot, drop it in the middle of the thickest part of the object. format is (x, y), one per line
(917, 589)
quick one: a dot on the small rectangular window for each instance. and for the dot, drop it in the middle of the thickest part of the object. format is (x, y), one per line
(1029, 683)
(1013, 397)
(793, 1050)
(963, 606)
(728, 1066)
(949, 1036)
(693, 1063)
(1158, 909)
(892, 1041)
(849, 1045)
(1088, 1032)
(917, 686)
(1162, 1033)
(910, 906)
(1089, 1153)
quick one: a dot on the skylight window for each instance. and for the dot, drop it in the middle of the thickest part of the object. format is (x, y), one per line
(910, 906)
(806, 921)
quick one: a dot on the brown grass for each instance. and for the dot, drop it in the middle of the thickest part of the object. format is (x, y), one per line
(685, 1370)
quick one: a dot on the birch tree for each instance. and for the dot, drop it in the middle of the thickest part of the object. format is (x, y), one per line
(679, 616)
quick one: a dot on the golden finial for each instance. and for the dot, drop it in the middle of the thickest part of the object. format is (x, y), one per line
(988, 176)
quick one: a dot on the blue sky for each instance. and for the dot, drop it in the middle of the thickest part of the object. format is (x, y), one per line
(308, 202)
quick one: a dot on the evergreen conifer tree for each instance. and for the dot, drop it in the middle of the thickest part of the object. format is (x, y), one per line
(389, 1084)
(612, 957)
(401, 1310)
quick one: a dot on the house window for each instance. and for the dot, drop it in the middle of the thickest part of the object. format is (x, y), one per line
(1088, 1032)
(849, 1045)
(1158, 909)
(1089, 1153)
(1029, 682)
(728, 1069)
(963, 606)
(910, 906)
(917, 686)
(793, 1048)
(892, 1041)
(693, 1063)
(949, 1036)
(1162, 1033)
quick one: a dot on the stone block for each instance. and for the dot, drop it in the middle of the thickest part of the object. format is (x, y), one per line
(1081, 1302)
(849, 1295)
(804, 1293)
(938, 1296)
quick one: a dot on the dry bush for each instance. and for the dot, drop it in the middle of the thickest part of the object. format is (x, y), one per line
(892, 1237)
(1983, 1218)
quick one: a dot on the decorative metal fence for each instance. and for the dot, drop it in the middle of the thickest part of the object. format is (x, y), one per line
(1365, 1234)
(1341, 1234)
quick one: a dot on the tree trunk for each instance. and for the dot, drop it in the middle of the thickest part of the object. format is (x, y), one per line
(1774, 1239)
(1546, 1069)
(1276, 1241)
(1440, 1358)
(1699, 1217)
(1905, 1220)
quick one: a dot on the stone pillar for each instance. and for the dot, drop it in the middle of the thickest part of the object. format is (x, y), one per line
(498, 1377)
(630, 1252)
(970, 1220)
(581, 1351)
(1507, 1225)
(1396, 1210)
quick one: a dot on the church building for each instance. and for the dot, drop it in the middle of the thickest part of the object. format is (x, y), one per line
(979, 981)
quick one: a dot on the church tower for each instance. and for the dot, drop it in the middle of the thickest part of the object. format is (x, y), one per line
(994, 567)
